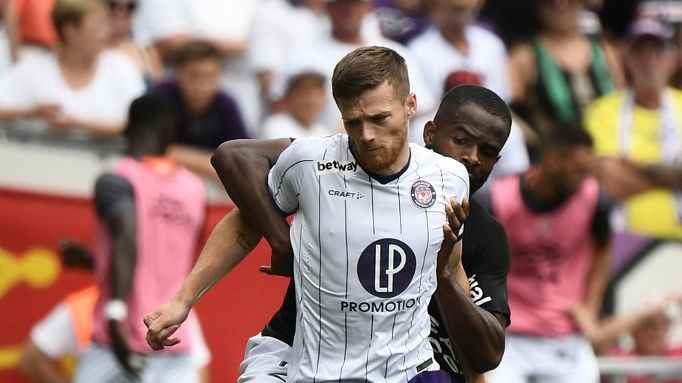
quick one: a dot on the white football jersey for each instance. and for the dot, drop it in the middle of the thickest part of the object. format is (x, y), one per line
(365, 259)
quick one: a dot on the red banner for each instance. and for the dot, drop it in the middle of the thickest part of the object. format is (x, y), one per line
(32, 280)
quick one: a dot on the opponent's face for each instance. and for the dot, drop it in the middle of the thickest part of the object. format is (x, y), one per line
(377, 123)
(650, 63)
(347, 16)
(199, 82)
(568, 168)
(472, 136)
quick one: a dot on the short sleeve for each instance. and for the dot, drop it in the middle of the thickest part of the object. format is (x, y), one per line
(285, 177)
(456, 181)
(54, 335)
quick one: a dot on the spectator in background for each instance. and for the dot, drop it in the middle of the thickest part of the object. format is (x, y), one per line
(5, 54)
(347, 19)
(30, 27)
(78, 88)
(466, 53)
(402, 20)
(559, 238)
(300, 108)
(150, 213)
(284, 26)
(170, 24)
(560, 71)
(146, 58)
(639, 132)
(61, 336)
(204, 116)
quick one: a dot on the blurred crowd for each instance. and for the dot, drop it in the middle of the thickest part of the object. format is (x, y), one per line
(230, 69)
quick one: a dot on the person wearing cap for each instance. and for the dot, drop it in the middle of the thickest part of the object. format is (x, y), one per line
(639, 136)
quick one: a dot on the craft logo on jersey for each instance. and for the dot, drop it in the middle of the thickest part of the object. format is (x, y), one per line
(423, 194)
(331, 167)
(386, 267)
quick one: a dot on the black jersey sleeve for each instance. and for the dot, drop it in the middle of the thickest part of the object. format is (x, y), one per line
(111, 191)
(282, 325)
(486, 258)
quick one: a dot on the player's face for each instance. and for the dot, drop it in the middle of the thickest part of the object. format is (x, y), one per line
(570, 167)
(199, 82)
(376, 123)
(470, 135)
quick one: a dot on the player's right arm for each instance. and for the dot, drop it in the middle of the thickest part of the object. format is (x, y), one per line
(230, 241)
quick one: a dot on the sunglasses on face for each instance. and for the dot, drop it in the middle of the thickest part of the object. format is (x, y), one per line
(128, 6)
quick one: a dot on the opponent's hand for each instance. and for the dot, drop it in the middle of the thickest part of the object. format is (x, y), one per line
(119, 345)
(164, 322)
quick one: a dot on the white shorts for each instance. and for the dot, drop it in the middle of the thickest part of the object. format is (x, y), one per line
(98, 364)
(568, 359)
(265, 361)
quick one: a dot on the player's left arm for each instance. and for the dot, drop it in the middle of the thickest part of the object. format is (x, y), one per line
(587, 311)
(115, 207)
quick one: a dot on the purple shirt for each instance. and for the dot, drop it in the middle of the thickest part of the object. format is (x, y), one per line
(221, 122)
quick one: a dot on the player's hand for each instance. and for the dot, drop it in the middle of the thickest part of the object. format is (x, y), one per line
(130, 362)
(164, 322)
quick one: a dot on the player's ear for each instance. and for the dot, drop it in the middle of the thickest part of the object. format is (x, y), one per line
(411, 105)
(429, 134)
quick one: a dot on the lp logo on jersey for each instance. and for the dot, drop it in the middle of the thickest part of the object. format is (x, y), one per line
(386, 267)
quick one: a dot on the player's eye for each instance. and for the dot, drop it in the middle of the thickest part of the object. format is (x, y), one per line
(380, 119)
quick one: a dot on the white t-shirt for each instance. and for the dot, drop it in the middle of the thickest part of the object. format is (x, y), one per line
(487, 59)
(364, 259)
(55, 336)
(36, 80)
(324, 56)
(283, 125)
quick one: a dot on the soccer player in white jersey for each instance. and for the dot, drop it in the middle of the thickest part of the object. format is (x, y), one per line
(368, 216)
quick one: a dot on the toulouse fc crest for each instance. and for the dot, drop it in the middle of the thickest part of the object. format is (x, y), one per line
(423, 194)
